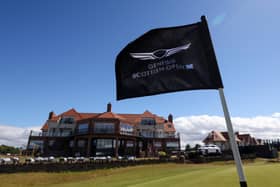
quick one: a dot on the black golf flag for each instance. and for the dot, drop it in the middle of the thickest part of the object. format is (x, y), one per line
(168, 60)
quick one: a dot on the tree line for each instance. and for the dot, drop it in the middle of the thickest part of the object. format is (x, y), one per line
(4, 149)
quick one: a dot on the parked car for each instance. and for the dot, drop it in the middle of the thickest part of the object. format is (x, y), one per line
(99, 158)
(51, 159)
(109, 158)
(209, 150)
(62, 159)
(80, 159)
(104, 158)
(15, 160)
(29, 160)
(7, 161)
(45, 159)
(39, 159)
(70, 159)
(126, 157)
(130, 158)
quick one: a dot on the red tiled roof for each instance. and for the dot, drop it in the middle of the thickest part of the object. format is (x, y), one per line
(169, 127)
(148, 114)
(45, 126)
(88, 115)
(247, 138)
(109, 115)
(136, 118)
(244, 137)
(225, 134)
(132, 119)
(214, 136)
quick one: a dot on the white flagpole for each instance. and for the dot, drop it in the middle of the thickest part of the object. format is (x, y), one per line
(234, 147)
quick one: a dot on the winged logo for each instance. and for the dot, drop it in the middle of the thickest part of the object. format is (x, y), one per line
(160, 53)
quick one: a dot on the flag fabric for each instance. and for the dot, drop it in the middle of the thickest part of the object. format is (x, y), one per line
(167, 60)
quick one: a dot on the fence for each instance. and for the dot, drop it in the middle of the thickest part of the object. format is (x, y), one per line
(78, 166)
(273, 143)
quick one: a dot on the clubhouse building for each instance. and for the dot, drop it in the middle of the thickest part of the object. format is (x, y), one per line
(105, 134)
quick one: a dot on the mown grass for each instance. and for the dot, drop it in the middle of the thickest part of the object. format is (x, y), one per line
(259, 174)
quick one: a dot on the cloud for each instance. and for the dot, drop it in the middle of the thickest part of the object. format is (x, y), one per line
(276, 115)
(15, 136)
(193, 129)
(219, 19)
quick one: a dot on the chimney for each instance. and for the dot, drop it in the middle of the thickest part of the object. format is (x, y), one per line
(51, 115)
(170, 118)
(109, 107)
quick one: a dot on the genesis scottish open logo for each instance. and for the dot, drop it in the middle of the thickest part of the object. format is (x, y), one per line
(160, 53)
(162, 65)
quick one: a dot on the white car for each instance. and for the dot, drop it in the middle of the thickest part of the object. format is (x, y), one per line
(7, 161)
(51, 159)
(80, 159)
(15, 160)
(209, 149)
(39, 159)
(99, 158)
(29, 160)
(131, 158)
(70, 159)
(62, 159)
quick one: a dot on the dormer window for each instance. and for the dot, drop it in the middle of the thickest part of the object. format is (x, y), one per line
(148, 121)
(67, 120)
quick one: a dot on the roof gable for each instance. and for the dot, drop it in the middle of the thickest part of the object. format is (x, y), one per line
(132, 119)
(214, 136)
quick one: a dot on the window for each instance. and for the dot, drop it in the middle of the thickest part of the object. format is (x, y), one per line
(71, 144)
(172, 144)
(148, 121)
(126, 129)
(65, 132)
(106, 128)
(147, 133)
(35, 144)
(158, 144)
(52, 132)
(129, 144)
(67, 120)
(104, 143)
(169, 126)
(51, 143)
(83, 128)
(81, 143)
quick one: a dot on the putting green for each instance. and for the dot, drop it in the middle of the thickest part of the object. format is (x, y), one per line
(259, 174)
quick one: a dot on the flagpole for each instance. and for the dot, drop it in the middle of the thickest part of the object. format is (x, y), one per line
(234, 147)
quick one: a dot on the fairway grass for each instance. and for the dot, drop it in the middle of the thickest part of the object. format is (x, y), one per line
(259, 174)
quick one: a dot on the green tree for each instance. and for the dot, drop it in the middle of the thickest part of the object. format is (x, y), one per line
(188, 147)
(197, 146)
(4, 149)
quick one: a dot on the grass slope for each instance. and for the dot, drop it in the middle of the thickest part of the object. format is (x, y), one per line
(163, 175)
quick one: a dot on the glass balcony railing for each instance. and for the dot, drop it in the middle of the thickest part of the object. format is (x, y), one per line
(81, 131)
(127, 133)
(55, 134)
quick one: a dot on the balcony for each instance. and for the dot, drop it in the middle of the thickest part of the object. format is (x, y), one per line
(36, 133)
(81, 131)
(46, 134)
(128, 133)
(156, 135)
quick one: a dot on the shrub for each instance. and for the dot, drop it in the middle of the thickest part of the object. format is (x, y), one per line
(162, 154)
